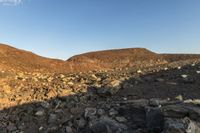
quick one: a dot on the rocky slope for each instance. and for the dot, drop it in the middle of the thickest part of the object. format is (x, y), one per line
(160, 94)
(119, 58)
(16, 59)
(154, 99)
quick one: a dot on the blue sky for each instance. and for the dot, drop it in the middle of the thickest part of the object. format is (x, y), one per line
(62, 28)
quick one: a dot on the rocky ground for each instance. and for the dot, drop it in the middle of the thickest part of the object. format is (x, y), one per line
(159, 99)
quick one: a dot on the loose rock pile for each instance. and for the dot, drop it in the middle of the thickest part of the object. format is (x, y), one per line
(153, 100)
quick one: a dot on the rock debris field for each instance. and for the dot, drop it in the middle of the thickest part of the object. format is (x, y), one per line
(161, 99)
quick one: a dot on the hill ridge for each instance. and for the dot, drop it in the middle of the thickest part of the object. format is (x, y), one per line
(14, 58)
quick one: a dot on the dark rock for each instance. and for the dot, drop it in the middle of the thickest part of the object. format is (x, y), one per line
(81, 123)
(11, 127)
(100, 112)
(90, 112)
(194, 112)
(121, 119)
(76, 111)
(69, 129)
(52, 118)
(53, 129)
(175, 111)
(113, 112)
(135, 115)
(181, 126)
(154, 120)
(107, 125)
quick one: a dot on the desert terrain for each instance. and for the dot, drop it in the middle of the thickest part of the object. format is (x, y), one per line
(130, 90)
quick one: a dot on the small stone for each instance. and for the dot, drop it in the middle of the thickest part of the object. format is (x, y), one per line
(115, 83)
(62, 76)
(52, 129)
(93, 76)
(165, 68)
(179, 97)
(188, 101)
(1, 95)
(68, 129)
(154, 102)
(11, 127)
(113, 112)
(125, 98)
(179, 68)
(45, 104)
(100, 112)
(90, 112)
(160, 80)
(184, 76)
(198, 72)
(41, 128)
(70, 83)
(76, 111)
(139, 71)
(171, 83)
(81, 123)
(40, 113)
(121, 119)
(195, 101)
(52, 118)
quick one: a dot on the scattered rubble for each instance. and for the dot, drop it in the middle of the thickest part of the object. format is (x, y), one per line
(154, 101)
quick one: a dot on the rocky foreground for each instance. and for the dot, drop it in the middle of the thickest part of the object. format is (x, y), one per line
(161, 99)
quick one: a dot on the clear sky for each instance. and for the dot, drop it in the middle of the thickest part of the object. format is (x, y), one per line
(62, 28)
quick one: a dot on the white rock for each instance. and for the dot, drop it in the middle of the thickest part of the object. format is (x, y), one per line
(70, 83)
(198, 72)
(179, 97)
(184, 76)
(179, 68)
(94, 76)
(165, 68)
(39, 113)
(121, 119)
(139, 71)
(41, 128)
(124, 98)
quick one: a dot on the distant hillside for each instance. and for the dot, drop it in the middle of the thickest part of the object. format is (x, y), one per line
(12, 58)
(178, 57)
(15, 59)
(117, 57)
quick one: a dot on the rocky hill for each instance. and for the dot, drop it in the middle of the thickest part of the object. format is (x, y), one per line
(15, 59)
(119, 58)
(161, 99)
(113, 91)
